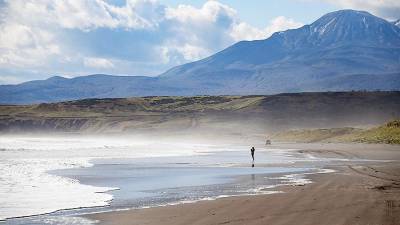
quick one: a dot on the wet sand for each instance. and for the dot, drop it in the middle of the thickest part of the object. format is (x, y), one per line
(355, 194)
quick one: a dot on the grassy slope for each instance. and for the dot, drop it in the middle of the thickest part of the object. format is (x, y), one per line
(229, 114)
(121, 114)
(131, 106)
(388, 133)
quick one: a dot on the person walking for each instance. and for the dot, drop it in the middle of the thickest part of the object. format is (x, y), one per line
(252, 150)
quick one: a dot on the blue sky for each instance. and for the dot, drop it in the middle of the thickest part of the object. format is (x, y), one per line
(259, 12)
(43, 38)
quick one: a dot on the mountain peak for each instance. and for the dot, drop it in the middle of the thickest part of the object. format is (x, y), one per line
(348, 39)
(348, 12)
(347, 18)
(344, 18)
(344, 27)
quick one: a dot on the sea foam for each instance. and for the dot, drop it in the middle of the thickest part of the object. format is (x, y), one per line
(27, 189)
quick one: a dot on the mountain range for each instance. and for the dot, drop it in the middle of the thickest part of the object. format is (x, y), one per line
(341, 51)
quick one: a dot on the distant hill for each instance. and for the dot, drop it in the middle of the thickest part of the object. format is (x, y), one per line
(342, 51)
(244, 115)
(389, 133)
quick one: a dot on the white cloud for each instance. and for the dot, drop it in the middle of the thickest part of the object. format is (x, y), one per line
(142, 37)
(84, 14)
(187, 52)
(197, 28)
(282, 23)
(99, 63)
(22, 45)
(243, 31)
(9, 79)
(32, 31)
(211, 11)
(195, 33)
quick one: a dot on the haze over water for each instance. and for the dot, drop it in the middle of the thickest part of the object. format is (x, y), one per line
(45, 174)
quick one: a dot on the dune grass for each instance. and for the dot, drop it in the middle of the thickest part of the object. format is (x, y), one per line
(388, 133)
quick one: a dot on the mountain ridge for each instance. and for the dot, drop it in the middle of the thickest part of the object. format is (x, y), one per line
(341, 51)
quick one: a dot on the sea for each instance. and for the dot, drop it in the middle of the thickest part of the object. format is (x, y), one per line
(60, 179)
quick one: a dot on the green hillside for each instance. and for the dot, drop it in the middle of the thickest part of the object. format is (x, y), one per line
(245, 115)
(388, 133)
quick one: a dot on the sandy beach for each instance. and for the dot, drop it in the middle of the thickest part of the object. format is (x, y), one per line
(354, 194)
(211, 112)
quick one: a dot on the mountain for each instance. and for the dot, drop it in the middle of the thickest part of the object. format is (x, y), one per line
(93, 86)
(343, 50)
(397, 23)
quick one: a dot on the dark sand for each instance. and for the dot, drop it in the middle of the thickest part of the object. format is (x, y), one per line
(355, 194)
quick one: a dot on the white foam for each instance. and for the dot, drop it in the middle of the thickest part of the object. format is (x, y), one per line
(261, 191)
(299, 179)
(26, 189)
(63, 220)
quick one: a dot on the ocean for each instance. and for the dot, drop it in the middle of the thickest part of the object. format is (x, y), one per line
(56, 179)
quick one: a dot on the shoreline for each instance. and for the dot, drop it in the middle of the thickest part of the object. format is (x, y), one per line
(93, 164)
(352, 190)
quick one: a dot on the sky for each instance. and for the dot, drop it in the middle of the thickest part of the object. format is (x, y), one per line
(44, 38)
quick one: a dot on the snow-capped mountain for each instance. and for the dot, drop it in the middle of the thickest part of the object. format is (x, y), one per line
(342, 51)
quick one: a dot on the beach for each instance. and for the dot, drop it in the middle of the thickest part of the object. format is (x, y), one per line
(367, 193)
(57, 179)
(150, 112)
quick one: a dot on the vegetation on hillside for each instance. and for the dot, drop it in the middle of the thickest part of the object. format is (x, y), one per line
(388, 133)
(233, 114)
(131, 106)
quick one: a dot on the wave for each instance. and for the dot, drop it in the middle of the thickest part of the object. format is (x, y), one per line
(27, 189)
